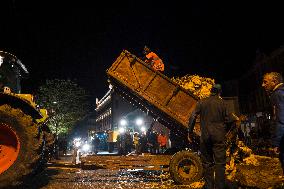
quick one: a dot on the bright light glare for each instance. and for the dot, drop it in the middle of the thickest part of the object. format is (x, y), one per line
(86, 147)
(1, 60)
(77, 143)
(143, 129)
(123, 122)
(121, 130)
(139, 121)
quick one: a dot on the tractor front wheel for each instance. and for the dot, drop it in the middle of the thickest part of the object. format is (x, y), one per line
(20, 146)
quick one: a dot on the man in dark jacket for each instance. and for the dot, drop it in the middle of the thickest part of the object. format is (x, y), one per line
(213, 116)
(128, 142)
(273, 84)
(96, 143)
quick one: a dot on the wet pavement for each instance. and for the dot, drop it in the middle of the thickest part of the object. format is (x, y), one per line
(63, 174)
(101, 178)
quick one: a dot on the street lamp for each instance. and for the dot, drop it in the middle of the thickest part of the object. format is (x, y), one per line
(123, 122)
(132, 124)
(139, 121)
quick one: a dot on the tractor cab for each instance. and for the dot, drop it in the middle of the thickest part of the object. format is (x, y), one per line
(11, 72)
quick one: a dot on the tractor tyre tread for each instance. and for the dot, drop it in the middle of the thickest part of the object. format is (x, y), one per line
(177, 158)
(30, 146)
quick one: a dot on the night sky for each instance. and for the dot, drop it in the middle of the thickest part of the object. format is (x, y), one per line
(79, 40)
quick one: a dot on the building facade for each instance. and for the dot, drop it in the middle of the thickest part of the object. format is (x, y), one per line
(110, 109)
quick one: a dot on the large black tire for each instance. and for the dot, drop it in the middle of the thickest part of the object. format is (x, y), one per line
(185, 167)
(31, 141)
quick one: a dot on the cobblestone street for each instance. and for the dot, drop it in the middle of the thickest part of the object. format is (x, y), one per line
(62, 174)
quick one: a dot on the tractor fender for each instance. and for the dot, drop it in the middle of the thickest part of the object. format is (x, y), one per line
(20, 103)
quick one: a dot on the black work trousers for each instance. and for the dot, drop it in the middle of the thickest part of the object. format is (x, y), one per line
(213, 156)
(281, 154)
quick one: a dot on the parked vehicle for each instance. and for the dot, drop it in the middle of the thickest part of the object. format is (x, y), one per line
(24, 137)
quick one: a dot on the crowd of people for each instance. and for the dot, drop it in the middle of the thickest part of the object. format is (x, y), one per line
(145, 142)
(254, 129)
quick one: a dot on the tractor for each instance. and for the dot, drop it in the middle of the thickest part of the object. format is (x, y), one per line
(25, 139)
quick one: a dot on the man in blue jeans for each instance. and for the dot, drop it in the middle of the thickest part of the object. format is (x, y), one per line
(273, 85)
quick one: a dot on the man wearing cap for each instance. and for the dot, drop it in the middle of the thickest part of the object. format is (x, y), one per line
(273, 85)
(213, 116)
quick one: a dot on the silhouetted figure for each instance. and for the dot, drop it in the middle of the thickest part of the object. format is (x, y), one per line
(136, 142)
(162, 139)
(96, 143)
(153, 141)
(128, 142)
(143, 143)
(213, 116)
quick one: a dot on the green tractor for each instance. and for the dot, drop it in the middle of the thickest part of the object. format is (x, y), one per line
(24, 137)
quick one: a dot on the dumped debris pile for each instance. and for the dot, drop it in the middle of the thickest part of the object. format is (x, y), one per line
(259, 171)
(250, 170)
(199, 86)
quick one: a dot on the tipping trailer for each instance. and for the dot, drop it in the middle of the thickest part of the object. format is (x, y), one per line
(152, 91)
(165, 101)
(168, 103)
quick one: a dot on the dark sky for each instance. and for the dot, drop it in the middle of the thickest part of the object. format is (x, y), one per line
(80, 40)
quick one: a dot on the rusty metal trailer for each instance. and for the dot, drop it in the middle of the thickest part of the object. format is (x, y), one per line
(166, 101)
(152, 91)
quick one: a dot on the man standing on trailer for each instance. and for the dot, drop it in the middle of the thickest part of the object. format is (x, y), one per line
(153, 59)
